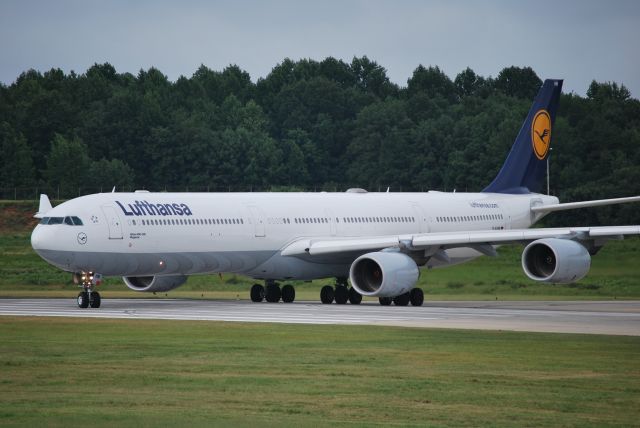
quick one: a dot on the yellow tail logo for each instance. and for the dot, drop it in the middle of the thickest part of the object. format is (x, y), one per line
(541, 133)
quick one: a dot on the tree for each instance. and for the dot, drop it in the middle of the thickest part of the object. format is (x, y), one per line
(105, 174)
(609, 90)
(371, 77)
(432, 81)
(468, 83)
(67, 165)
(518, 82)
(16, 164)
(380, 153)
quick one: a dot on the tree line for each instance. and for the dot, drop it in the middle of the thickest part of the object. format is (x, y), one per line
(307, 125)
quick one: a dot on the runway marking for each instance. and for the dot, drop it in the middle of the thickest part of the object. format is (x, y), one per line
(622, 318)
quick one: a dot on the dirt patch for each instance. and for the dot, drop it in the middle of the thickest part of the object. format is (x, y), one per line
(17, 216)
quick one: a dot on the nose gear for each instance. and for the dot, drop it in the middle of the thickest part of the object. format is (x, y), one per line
(88, 297)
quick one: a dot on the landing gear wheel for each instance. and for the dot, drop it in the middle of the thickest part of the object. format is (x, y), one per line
(257, 293)
(327, 294)
(385, 301)
(273, 293)
(288, 293)
(341, 294)
(416, 297)
(354, 297)
(402, 300)
(83, 300)
(94, 299)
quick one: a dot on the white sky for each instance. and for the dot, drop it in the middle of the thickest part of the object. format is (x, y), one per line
(575, 40)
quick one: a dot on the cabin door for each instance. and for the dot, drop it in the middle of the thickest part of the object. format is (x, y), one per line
(257, 217)
(421, 218)
(113, 221)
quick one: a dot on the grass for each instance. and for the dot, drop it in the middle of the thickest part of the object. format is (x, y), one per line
(56, 372)
(615, 273)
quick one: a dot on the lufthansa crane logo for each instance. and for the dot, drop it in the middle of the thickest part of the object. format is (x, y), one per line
(541, 133)
(82, 238)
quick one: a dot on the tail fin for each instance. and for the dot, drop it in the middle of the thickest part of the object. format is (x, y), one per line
(525, 167)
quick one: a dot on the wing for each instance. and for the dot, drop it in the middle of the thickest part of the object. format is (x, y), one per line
(479, 240)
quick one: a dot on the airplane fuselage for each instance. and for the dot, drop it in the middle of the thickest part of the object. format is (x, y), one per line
(142, 233)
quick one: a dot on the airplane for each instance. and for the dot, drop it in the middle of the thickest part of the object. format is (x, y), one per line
(378, 242)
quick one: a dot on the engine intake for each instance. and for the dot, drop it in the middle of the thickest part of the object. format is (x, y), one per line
(553, 260)
(383, 274)
(154, 283)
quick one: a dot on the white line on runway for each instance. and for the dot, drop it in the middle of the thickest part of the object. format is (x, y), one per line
(491, 315)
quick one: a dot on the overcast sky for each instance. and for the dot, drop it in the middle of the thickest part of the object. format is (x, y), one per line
(575, 40)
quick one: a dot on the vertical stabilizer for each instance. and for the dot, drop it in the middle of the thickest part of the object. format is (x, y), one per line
(526, 165)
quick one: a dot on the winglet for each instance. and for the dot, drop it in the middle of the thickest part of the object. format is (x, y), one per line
(45, 206)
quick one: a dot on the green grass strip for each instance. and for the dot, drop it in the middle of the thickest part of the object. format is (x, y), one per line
(63, 372)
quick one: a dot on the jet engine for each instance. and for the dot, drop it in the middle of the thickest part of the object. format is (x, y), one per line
(383, 274)
(559, 261)
(154, 283)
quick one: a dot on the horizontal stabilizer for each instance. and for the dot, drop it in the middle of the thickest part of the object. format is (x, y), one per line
(45, 206)
(584, 204)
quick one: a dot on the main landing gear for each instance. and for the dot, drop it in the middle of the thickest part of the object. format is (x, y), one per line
(415, 297)
(87, 297)
(272, 292)
(341, 293)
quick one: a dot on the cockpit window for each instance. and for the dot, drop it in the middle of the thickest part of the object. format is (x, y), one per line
(69, 220)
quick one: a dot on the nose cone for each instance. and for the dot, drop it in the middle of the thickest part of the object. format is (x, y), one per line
(37, 240)
(43, 241)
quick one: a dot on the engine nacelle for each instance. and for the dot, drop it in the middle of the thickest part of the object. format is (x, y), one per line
(383, 274)
(154, 283)
(559, 261)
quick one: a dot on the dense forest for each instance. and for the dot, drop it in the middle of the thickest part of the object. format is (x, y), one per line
(308, 125)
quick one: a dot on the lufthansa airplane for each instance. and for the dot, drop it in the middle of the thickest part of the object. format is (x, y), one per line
(379, 241)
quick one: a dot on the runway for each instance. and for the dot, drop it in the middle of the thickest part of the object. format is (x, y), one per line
(602, 317)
